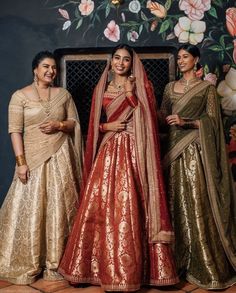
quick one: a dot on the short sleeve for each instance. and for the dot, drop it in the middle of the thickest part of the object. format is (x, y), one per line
(166, 103)
(16, 113)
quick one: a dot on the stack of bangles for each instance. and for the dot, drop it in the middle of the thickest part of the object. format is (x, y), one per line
(20, 160)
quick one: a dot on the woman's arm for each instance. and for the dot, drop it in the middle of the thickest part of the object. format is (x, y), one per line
(18, 147)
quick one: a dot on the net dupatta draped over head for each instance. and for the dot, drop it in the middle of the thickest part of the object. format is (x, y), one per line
(147, 150)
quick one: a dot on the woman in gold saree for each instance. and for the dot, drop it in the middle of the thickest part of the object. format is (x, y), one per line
(36, 215)
(121, 235)
(200, 189)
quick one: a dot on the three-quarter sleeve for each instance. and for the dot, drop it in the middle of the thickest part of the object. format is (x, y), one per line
(16, 113)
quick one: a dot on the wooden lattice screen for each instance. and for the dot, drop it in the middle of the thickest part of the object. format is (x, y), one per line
(80, 71)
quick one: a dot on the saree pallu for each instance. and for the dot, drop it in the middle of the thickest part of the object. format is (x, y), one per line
(109, 243)
(201, 194)
(35, 219)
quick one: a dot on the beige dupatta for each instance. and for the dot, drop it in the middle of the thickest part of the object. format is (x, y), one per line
(25, 117)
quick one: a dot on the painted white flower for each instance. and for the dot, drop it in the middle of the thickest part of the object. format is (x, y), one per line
(132, 36)
(227, 90)
(134, 6)
(66, 25)
(190, 31)
(86, 7)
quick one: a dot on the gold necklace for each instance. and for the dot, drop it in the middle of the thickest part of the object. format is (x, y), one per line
(188, 83)
(45, 103)
(119, 87)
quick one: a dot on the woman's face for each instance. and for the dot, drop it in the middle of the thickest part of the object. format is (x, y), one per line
(121, 62)
(186, 61)
(46, 70)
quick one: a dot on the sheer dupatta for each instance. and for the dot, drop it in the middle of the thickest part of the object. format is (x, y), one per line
(147, 150)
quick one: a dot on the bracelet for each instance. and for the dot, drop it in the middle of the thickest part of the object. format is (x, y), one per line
(129, 92)
(20, 160)
(189, 125)
(62, 125)
(101, 127)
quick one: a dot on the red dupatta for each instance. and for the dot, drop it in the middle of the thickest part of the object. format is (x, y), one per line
(147, 150)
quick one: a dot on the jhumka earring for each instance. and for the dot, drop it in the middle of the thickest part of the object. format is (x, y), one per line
(195, 67)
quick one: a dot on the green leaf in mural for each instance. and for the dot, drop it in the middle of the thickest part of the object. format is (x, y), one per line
(206, 69)
(77, 13)
(108, 9)
(221, 56)
(140, 29)
(222, 41)
(143, 16)
(79, 23)
(217, 3)
(216, 48)
(229, 47)
(168, 4)
(213, 12)
(164, 26)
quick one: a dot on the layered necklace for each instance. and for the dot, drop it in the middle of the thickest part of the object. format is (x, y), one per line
(188, 83)
(45, 103)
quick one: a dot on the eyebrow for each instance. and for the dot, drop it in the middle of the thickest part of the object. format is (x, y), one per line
(117, 55)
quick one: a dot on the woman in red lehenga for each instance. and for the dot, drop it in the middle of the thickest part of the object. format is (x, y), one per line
(122, 233)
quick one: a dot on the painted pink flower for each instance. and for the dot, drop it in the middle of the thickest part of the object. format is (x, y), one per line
(86, 7)
(234, 51)
(211, 77)
(195, 8)
(112, 31)
(64, 13)
(132, 36)
(231, 21)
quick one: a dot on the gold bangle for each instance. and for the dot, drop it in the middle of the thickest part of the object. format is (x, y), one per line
(20, 160)
(62, 125)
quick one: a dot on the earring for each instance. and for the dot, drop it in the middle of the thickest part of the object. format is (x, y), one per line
(110, 75)
(36, 80)
(195, 67)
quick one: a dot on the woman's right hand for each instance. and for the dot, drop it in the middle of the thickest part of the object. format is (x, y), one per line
(23, 173)
(116, 126)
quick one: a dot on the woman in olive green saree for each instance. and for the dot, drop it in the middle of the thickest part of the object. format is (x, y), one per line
(201, 194)
(37, 213)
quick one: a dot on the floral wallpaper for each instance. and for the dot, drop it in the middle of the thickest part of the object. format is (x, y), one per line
(211, 25)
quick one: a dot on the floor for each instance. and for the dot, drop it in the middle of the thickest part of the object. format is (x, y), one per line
(42, 286)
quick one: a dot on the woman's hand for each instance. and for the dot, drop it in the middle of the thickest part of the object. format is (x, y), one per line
(116, 126)
(130, 84)
(50, 127)
(175, 120)
(23, 173)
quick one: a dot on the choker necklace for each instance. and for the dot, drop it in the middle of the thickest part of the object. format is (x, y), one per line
(188, 83)
(45, 103)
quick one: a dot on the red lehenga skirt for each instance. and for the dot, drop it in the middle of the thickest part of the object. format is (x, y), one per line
(108, 245)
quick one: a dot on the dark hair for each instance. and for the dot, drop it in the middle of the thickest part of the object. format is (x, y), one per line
(193, 50)
(41, 56)
(123, 46)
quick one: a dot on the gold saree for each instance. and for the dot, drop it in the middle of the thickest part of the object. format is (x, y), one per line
(118, 240)
(35, 219)
(200, 189)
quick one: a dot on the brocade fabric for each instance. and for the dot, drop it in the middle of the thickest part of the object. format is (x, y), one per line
(35, 219)
(109, 243)
(201, 252)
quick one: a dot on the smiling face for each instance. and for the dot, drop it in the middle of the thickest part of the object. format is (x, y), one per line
(186, 61)
(46, 70)
(121, 62)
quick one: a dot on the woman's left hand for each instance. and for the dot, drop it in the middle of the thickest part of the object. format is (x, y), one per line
(175, 120)
(50, 127)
